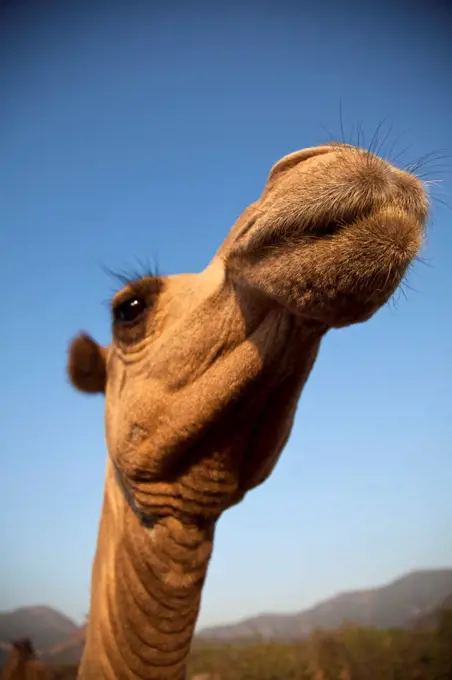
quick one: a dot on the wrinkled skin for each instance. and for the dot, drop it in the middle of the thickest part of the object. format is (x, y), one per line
(204, 371)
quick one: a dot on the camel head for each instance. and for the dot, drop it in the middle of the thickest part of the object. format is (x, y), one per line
(204, 371)
(24, 664)
(24, 649)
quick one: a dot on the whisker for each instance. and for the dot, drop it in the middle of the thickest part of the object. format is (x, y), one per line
(341, 120)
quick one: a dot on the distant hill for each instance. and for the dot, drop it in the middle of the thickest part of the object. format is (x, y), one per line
(395, 605)
(430, 619)
(44, 625)
(69, 651)
(408, 601)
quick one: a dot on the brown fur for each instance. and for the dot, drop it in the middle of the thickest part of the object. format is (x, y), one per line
(22, 664)
(86, 366)
(202, 386)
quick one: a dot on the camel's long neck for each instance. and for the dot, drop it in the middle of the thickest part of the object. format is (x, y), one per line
(145, 594)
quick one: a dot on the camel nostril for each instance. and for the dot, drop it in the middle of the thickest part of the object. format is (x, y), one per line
(331, 220)
(328, 228)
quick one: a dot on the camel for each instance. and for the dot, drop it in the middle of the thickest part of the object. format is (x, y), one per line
(23, 664)
(202, 380)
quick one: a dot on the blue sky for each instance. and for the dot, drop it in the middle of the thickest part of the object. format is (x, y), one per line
(137, 129)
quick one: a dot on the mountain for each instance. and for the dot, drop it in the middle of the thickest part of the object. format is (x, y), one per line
(69, 651)
(397, 604)
(430, 619)
(408, 601)
(45, 626)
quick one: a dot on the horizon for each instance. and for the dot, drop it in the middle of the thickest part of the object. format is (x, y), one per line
(81, 622)
(136, 131)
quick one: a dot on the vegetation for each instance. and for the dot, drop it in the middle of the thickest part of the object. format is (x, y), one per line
(349, 653)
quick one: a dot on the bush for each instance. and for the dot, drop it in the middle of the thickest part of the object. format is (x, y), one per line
(349, 653)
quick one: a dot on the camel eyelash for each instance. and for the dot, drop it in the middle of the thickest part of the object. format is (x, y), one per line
(147, 289)
(145, 281)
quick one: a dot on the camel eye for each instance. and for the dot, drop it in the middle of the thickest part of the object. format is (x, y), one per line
(129, 311)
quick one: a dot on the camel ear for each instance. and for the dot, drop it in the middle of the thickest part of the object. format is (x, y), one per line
(87, 365)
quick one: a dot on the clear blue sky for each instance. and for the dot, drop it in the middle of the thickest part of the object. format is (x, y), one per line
(142, 129)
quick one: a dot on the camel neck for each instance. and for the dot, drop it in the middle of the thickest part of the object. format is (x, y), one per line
(145, 593)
